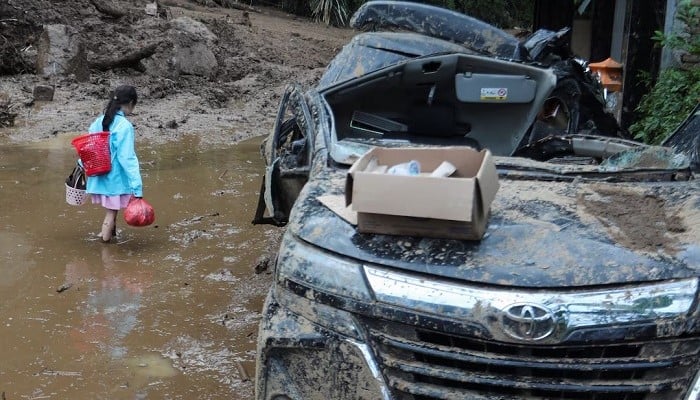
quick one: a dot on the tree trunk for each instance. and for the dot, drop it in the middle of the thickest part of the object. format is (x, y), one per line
(108, 9)
(128, 60)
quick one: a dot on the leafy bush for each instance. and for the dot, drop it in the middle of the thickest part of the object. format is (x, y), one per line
(675, 94)
(689, 38)
(677, 90)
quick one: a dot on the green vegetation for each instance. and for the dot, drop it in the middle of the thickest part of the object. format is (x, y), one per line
(675, 94)
(336, 12)
(677, 90)
(689, 39)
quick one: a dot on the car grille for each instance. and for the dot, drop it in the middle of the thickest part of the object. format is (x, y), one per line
(421, 364)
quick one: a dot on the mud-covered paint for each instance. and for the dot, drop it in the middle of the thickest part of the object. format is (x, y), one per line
(304, 353)
(538, 242)
(305, 360)
(623, 312)
(555, 229)
(545, 229)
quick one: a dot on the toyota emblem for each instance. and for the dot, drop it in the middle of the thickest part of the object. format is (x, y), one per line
(528, 322)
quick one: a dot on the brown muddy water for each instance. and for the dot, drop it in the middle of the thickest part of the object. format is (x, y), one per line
(168, 311)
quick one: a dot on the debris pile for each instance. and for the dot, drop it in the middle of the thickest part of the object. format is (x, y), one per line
(7, 117)
(189, 60)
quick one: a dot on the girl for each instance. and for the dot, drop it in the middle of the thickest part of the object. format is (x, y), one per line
(114, 189)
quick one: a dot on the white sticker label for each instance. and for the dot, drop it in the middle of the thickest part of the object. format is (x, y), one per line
(494, 93)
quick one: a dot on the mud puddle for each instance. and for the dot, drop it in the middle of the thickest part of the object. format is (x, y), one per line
(168, 311)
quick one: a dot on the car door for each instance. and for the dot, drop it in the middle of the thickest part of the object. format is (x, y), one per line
(287, 152)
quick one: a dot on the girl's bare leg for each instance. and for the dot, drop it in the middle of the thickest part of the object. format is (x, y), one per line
(108, 225)
(114, 227)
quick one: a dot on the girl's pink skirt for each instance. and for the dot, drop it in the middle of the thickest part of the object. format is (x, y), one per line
(111, 202)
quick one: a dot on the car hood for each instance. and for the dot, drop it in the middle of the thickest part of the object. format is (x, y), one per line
(541, 234)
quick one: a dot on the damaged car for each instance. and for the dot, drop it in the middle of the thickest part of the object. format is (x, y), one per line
(585, 284)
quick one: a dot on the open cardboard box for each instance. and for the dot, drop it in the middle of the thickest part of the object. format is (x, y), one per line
(455, 207)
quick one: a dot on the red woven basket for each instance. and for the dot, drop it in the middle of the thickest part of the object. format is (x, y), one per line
(93, 150)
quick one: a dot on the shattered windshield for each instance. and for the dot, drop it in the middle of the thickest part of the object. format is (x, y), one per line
(639, 158)
(652, 157)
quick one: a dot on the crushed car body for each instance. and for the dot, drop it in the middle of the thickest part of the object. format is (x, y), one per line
(686, 138)
(585, 284)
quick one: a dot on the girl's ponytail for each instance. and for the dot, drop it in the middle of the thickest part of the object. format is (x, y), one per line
(110, 112)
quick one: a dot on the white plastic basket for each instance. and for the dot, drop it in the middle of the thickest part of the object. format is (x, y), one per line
(75, 197)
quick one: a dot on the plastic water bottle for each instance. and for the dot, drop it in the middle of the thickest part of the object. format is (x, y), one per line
(407, 169)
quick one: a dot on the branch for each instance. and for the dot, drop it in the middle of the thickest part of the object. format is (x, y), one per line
(236, 5)
(108, 9)
(127, 60)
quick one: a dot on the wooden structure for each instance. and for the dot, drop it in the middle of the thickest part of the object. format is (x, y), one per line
(617, 29)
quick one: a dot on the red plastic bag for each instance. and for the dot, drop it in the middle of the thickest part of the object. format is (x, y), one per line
(139, 213)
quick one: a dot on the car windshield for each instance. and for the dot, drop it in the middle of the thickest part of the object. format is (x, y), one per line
(655, 161)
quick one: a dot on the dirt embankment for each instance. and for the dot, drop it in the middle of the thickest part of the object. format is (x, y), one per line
(211, 71)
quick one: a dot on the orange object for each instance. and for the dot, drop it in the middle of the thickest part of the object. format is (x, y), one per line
(610, 72)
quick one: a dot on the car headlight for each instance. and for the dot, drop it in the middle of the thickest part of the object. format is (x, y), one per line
(330, 318)
(305, 266)
(321, 271)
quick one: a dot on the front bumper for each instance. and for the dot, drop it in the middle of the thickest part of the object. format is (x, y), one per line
(349, 357)
(299, 360)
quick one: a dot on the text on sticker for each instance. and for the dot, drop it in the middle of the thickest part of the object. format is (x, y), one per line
(494, 93)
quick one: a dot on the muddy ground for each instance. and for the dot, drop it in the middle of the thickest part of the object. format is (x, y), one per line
(168, 311)
(257, 54)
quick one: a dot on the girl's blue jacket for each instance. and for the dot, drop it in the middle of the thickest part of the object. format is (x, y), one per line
(125, 177)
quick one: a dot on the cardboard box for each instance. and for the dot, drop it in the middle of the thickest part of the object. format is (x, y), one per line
(456, 207)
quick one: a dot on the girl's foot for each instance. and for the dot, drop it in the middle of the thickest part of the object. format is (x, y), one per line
(109, 226)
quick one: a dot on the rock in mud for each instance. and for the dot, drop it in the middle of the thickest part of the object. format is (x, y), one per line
(190, 53)
(195, 59)
(43, 93)
(64, 287)
(189, 29)
(60, 52)
(262, 264)
(152, 9)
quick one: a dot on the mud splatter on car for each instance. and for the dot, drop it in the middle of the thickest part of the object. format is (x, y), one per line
(585, 284)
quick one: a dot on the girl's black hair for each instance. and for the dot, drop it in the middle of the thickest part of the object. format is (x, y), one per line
(122, 95)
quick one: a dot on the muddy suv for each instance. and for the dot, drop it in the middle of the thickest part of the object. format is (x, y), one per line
(585, 285)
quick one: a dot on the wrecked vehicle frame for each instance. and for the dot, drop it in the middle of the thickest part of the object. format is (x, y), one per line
(585, 285)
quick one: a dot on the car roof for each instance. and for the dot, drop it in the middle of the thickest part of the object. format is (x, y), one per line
(439, 23)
